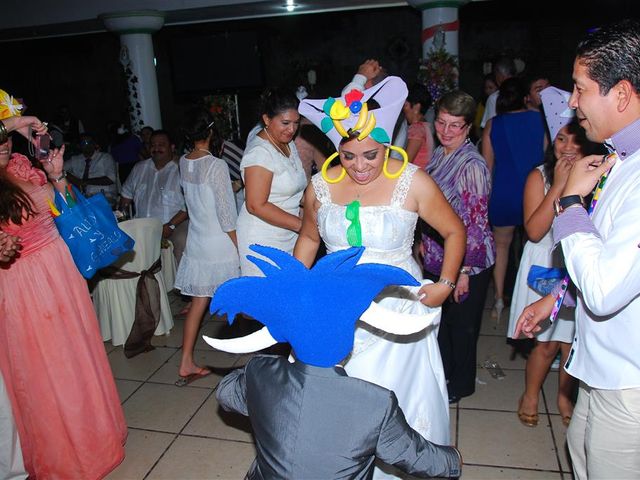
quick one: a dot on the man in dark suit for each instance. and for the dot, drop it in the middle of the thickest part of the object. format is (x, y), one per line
(310, 420)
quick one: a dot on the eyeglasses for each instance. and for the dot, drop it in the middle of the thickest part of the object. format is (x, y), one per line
(454, 127)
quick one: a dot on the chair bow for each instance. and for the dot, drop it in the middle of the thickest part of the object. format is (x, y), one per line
(147, 314)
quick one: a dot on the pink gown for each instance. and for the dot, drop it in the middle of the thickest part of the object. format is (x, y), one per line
(61, 388)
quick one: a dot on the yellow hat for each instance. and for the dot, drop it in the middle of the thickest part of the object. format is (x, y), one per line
(9, 106)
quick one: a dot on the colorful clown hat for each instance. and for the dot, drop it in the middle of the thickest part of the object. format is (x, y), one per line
(9, 106)
(373, 112)
(556, 109)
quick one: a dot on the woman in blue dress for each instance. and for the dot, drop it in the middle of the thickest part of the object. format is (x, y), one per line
(513, 143)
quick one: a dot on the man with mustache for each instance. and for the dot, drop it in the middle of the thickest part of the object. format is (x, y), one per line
(154, 188)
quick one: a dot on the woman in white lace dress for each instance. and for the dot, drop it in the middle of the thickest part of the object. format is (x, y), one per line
(211, 254)
(373, 201)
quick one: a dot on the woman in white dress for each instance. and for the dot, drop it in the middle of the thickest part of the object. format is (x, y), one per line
(543, 186)
(371, 200)
(211, 256)
(274, 181)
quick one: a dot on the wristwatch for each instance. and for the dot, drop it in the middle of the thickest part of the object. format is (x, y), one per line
(171, 226)
(562, 203)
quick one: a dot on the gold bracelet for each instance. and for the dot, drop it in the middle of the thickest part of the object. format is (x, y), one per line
(448, 283)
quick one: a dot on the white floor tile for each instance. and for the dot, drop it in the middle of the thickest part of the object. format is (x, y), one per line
(499, 439)
(212, 421)
(140, 367)
(141, 452)
(192, 458)
(165, 408)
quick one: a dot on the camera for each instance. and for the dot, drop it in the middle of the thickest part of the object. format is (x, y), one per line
(42, 144)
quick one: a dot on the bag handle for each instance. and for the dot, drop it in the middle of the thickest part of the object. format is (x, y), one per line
(61, 203)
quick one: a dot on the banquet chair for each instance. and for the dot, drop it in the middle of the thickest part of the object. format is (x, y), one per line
(115, 298)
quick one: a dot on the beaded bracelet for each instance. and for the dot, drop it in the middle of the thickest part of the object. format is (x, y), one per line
(448, 283)
(4, 135)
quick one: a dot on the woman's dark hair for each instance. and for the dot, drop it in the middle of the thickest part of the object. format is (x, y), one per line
(511, 96)
(15, 205)
(586, 148)
(274, 101)
(419, 94)
(198, 124)
(458, 104)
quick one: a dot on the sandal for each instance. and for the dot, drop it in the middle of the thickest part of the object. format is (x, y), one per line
(187, 379)
(527, 419)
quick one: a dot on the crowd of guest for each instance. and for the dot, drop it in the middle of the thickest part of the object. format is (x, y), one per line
(529, 170)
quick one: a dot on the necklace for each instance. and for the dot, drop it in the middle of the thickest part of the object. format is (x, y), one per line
(273, 142)
(363, 189)
(204, 150)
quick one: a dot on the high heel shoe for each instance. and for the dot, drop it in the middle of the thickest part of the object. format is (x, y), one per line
(498, 307)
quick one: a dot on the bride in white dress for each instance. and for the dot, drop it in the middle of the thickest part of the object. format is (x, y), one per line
(376, 204)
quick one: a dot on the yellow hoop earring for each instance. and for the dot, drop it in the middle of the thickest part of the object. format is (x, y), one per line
(405, 161)
(325, 166)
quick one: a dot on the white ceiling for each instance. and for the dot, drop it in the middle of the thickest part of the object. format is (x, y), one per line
(30, 19)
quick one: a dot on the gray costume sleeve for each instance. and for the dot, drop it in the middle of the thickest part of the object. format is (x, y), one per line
(231, 392)
(403, 447)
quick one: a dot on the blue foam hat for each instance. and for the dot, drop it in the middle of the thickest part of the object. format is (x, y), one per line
(316, 309)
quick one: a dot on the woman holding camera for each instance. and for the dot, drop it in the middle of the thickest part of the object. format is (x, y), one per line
(52, 358)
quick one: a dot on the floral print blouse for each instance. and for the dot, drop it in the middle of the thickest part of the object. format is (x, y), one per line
(465, 181)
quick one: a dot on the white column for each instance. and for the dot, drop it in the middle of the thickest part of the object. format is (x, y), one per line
(440, 24)
(135, 29)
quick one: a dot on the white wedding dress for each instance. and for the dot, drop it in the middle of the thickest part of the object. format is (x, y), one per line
(409, 365)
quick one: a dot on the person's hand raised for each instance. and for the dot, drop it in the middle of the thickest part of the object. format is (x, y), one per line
(370, 69)
(53, 164)
(561, 174)
(585, 174)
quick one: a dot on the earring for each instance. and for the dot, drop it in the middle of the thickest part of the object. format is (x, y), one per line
(405, 161)
(325, 166)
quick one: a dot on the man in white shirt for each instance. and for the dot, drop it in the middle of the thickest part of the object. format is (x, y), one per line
(503, 69)
(602, 254)
(93, 171)
(154, 188)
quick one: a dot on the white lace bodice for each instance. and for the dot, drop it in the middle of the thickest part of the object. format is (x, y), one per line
(387, 230)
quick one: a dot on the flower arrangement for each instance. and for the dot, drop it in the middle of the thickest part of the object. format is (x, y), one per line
(224, 111)
(438, 72)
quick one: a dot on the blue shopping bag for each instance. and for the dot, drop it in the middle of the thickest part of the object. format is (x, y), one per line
(91, 232)
(544, 279)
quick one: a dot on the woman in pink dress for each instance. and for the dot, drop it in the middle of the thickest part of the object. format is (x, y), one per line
(52, 357)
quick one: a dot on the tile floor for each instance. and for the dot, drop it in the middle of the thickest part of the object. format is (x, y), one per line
(181, 433)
